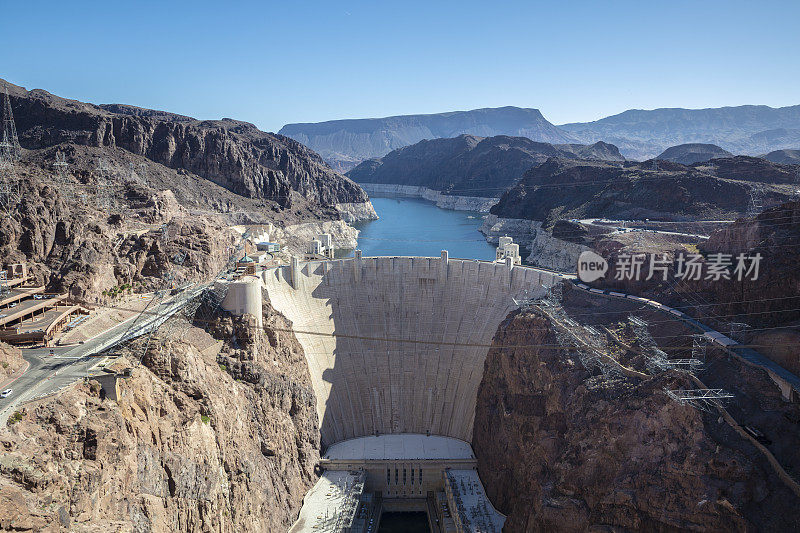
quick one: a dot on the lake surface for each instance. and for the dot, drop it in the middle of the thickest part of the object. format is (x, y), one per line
(410, 226)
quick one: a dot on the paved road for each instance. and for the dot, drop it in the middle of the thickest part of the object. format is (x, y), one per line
(47, 374)
(632, 227)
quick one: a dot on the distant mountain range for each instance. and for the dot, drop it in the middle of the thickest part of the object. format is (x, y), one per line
(639, 134)
(345, 143)
(468, 165)
(747, 129)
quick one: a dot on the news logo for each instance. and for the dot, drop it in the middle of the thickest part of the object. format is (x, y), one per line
(591, 266)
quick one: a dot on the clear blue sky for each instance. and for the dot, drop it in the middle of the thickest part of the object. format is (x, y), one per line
(271, 63)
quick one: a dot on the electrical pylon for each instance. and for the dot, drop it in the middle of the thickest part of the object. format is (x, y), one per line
(9, 148)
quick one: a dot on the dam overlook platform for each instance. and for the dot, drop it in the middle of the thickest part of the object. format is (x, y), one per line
(396, 348)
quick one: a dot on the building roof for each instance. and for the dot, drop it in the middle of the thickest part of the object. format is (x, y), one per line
(246, 259)
(400, 446)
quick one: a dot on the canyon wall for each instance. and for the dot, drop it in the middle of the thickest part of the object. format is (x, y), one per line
(207, 435)
(560, 448)
(81, 248)
(231, 153)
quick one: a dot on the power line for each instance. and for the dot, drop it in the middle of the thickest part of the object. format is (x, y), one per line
(418, 341)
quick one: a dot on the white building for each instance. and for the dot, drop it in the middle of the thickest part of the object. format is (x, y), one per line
(320, 248)
(507, 248)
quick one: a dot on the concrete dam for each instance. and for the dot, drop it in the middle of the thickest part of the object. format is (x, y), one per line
(396, 349)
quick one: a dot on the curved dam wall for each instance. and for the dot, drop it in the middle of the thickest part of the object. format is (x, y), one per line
(379, 333)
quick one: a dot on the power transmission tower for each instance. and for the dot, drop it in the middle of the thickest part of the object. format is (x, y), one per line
(9, 147)
(704, 399)
(9, 192)
(699, 346)
(137, 173)
(61, 169)
(756, 201)
(9, 156)
(103, 174)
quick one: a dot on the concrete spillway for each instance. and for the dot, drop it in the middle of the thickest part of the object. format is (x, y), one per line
(397, 344)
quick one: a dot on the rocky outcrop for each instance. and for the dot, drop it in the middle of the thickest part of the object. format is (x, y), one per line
(661, 190)
(231, 153)
(774, 298)
(468, 165)
(345, 143)
(560, 448)
(80, 248)
(784, 157)
(297, 236)
(10, 361)
(207, 435)
(356, 212)
(686, 154)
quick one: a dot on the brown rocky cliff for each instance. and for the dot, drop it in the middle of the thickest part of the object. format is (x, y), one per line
(188, 446)
(559, 189)
(231, 153)
(774, 298)
(561, 450)
(10, 361)
(79, 248)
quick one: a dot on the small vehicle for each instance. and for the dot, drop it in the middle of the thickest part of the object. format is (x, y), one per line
(758, 435)
(37, 296)
(6, 393)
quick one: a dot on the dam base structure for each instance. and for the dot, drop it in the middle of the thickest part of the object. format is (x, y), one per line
(396, 348)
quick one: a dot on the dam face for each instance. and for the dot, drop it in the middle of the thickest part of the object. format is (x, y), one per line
(397, 345)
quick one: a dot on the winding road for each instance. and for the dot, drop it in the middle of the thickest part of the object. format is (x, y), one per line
(48, 373)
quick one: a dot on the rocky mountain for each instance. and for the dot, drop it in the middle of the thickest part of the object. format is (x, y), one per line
(213, 431)
(233, 154)
(774, 298)
(784, 157)
(563, 447)
(468, 165)
(599, 151)
(656, 190)
(686, 154)
(73, 243)
(345, 143)
(748, 129)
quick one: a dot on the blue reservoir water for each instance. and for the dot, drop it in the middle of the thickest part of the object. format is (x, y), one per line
(409, 226)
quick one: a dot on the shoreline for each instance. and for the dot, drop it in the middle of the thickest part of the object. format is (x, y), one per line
(479, 204)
